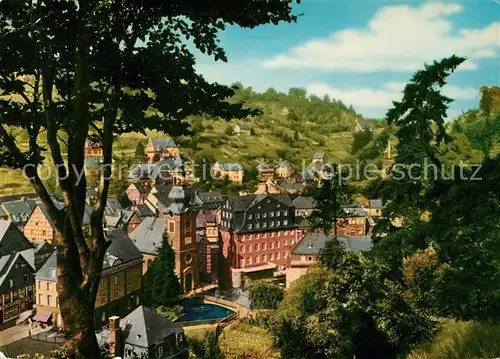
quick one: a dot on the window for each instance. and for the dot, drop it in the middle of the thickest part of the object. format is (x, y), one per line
(256, 247)
(285, 213)
(271, 234)
(285, 255)
(263, 246)
(257, 215)
(309, 258)
(48, 286)
(171, 226)
(263, 258)
(117, 280)
(257, 225)
(277, 244)
(264, 214)
(264, 225)
(247, 260)
(272, 224)
(248, 248)
(249, 216)
(277, 213)
(286, 242)
(285, 222)
(25, 278)
(256, 259)
(270, 256)
(277, 255)
(271, 214)
(160, 350)
(44, 233)
(242, 249)
(278, 223)
(270, 245)
(11, 283)
(49, 300)
(249, 226)
(40, 299)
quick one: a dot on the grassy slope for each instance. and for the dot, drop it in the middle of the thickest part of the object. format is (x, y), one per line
(273, 135)
(462, 340)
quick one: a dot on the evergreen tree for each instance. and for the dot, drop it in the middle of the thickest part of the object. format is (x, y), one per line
(331, 197)
(140, 151)
(161, 285)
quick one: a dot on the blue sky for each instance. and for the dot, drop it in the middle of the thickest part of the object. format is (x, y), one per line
(363, 52)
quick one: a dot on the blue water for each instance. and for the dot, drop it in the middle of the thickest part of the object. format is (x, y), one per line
(204, 312)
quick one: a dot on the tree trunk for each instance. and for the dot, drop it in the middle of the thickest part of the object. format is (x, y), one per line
(77, 300)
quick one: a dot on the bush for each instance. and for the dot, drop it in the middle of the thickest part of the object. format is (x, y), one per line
(265, 296)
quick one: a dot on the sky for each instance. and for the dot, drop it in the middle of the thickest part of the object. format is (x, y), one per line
(363, 52)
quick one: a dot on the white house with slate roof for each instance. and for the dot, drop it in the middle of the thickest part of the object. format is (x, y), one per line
(233, 171)
(303, 254)
(144, 334)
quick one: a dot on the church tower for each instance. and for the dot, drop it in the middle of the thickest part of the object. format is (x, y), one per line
(180, 224)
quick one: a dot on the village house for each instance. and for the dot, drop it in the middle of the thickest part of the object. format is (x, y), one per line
(119, 288)
(209, 199)
(157, 199)
(166, 171)
(41, 228)
(284, 169)
(144, 334)
(160, 148)
(256, 234)
(127, 220)
(319, 157)
(357, 222)
(241, 129)
(233, 171)
(304, 206)
(93, 149)
(138, 192)
(303, 255)
(362, 126)
(17, 266)
(375, 209)
(18, 211)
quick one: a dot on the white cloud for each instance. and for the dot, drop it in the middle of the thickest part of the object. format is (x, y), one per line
(398, 38)
(373, 100)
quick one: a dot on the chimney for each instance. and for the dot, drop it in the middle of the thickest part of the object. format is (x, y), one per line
(115, 337)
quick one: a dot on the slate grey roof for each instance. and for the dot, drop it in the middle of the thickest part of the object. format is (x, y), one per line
(301, 221)
(122, 248)
(243, 127)
(313, 243)
(93, 162)
(170, 164)
(144, 170)
(160, 144)
(7, 263)
(292, 186)
(149, 234)
(18, 197)
(318, 156)
(12, 240)
(303, 202)
(144, 211)
(113, 206)
(19, 211)
(208, 200)
(355, 211)
(230, 166)
(364, 125)
(143, 327)
(91, 192)
(49, 269)
(376, 203)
